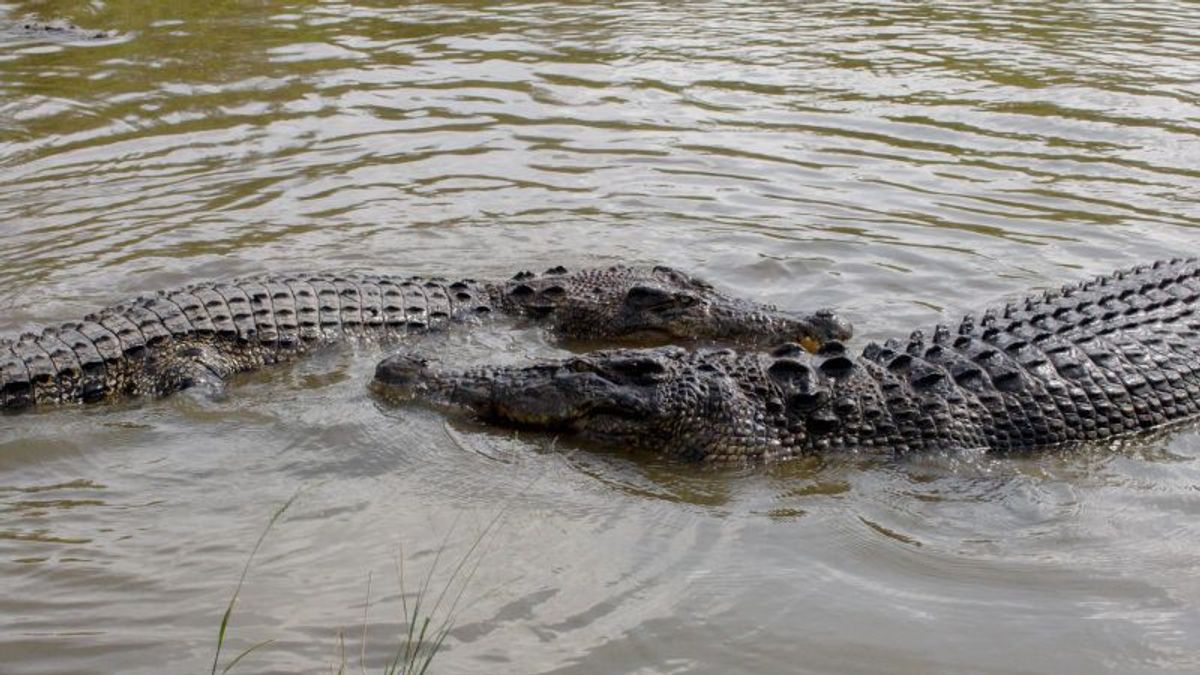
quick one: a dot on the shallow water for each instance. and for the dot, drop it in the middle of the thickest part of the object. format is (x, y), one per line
(902, 162)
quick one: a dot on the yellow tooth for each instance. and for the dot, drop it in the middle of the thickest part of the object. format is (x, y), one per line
(810, 343)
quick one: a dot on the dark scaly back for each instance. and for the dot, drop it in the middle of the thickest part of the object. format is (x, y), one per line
(159, 343)
(1092, 360)
(17, 389)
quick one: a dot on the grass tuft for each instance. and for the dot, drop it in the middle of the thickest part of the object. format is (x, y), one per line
(422, 639)
(425, 628)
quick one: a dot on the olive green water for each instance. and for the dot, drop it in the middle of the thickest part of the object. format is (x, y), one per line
(903, 162)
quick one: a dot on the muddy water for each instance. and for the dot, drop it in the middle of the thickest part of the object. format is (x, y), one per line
(904, 162)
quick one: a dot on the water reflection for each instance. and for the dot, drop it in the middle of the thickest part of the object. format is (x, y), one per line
(898, 161)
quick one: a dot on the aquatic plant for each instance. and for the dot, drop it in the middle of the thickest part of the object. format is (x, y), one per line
(424, 628)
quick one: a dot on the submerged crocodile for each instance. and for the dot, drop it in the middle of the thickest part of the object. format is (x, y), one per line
(159, 344)
(1093, 360)
(32, 30)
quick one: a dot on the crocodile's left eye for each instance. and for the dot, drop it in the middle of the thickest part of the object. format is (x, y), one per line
(637, 367)
(579, 366)
(648, 297)
(685, 300)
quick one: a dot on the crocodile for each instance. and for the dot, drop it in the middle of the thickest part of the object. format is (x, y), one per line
(33, 30)
(161, 343)
(1114, 355)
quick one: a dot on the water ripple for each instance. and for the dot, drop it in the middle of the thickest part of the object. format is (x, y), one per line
(901, 161)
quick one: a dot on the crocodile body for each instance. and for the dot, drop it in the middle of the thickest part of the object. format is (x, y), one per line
(31, 30)
(159, 344)
(1095, 360)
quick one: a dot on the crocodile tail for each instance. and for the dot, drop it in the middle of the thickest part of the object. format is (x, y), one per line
(157, 344)
(64, 364)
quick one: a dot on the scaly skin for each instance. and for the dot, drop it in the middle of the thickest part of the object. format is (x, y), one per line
(159, 344)
(52, 31)
(1099, 359)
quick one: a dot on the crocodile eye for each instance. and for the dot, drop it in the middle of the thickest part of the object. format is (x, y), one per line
(579, 366)
(685, 300)
(637, 367)
(648, 297)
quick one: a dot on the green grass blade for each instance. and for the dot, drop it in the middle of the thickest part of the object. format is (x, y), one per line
(221, 632)
(362, 654)
(435, 647)
(244, 654)
(242, 580)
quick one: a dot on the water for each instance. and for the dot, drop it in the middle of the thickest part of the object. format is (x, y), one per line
(903, 162)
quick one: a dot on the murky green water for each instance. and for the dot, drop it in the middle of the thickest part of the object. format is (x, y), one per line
(903, 162)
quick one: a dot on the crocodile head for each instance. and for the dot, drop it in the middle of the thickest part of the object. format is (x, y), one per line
(692, 405)
(657, 303)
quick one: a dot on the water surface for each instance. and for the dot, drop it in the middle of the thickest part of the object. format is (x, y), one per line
(902, 162)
